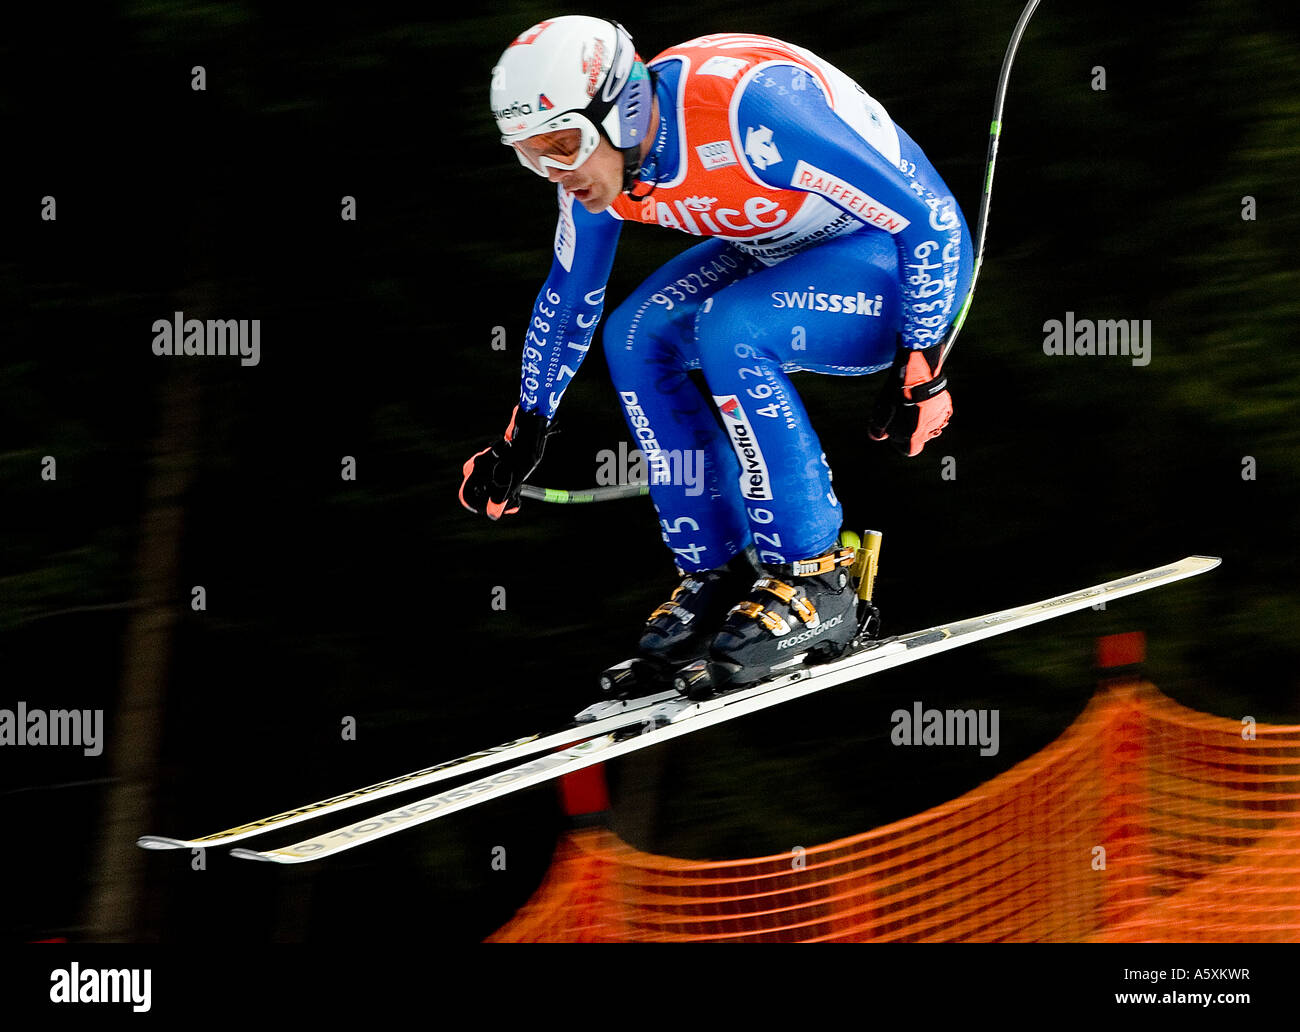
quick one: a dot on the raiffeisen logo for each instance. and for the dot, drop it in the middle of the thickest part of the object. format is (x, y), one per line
(846, 195)
(754, 480)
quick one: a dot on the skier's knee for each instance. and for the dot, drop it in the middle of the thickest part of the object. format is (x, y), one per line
(728, 333)
(619, 336)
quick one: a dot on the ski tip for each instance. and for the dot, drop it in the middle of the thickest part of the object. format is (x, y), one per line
(251, 854)
(1209, 561)
(162, 842)
(273, 856)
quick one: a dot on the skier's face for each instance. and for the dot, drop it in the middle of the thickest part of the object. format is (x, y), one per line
(595, 184)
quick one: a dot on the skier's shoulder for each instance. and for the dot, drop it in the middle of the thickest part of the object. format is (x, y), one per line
(726, 75)
(723, 54)
(711, 68)
(716, 66)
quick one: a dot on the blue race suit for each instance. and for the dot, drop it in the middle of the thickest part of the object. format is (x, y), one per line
(833, 241)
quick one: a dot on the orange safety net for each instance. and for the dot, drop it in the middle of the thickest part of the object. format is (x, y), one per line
(1144, 822)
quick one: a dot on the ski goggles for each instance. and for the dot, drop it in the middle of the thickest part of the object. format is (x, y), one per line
(563, 143)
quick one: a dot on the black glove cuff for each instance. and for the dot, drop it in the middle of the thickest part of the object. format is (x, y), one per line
(932, 355)
(926, 391)
(528, 440)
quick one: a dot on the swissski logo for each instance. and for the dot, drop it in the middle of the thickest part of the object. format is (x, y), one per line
(754, 480)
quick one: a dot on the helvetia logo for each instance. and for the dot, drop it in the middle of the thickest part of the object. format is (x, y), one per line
(515, 110)
(754, 480)
(543, 104)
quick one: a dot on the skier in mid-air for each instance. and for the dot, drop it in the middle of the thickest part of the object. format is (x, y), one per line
(834, 247)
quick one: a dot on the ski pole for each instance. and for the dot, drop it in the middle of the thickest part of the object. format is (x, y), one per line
(590, 494)
(995, 131)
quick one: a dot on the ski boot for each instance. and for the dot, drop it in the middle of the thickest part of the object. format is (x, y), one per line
(800, 613)
(679, 631)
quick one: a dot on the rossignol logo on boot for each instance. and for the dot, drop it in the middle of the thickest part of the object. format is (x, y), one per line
(808, 635)
(754, 480)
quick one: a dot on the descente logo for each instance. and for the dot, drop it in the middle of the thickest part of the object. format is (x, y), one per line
(96, 985)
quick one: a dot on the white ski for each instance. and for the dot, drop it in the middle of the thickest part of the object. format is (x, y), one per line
(681, 716)
(597, 719)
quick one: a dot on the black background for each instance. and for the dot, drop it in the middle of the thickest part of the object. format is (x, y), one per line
(371, 599)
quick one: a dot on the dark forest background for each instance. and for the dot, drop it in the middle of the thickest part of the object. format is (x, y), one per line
(372, 598)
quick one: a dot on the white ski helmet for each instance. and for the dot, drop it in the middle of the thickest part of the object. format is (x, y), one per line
(572, 73)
